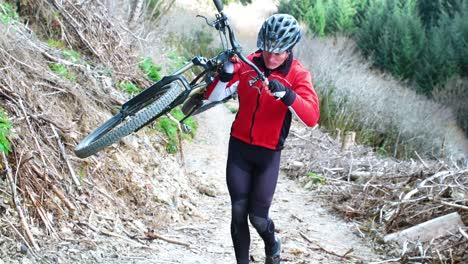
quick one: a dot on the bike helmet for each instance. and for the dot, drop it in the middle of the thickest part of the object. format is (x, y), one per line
(279, 33)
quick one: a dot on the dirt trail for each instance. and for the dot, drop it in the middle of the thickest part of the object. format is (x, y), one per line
(294, 210)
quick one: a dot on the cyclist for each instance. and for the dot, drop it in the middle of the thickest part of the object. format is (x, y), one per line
(261, 126)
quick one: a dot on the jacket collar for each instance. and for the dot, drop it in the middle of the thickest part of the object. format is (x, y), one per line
(283, 68)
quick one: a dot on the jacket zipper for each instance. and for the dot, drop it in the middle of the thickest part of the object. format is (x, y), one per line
(253, 117)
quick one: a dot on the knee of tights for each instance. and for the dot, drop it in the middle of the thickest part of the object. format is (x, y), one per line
(239, 210)
(261, 224)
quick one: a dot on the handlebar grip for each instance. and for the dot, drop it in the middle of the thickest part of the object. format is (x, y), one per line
(219, 5)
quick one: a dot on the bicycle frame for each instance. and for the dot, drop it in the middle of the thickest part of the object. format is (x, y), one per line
(195, 87)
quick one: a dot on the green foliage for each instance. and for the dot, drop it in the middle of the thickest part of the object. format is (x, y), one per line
(70, 55)
(316, 18)
(63, 71)
(5, 131)
(244, 2)
(296, 8)
(431, 12)
(56, 44)
(394, 35)
(150, 69)
(340, 16)
(317, 178)
(129, 87)
(427, 50)
(170, 129)
(8, 13)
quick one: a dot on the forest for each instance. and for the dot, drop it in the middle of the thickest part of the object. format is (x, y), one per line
(424, 43)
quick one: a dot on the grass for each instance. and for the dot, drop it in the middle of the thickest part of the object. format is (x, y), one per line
(169, 128)
(150, 69)
(316, 178)
(129, 87)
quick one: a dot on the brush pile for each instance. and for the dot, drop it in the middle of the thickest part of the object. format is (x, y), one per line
(57, 83)
(383, 196)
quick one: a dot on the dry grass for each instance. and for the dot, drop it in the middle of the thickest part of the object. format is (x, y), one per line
(378, 104)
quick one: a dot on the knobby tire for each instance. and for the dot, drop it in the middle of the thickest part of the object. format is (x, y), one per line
(116, 128)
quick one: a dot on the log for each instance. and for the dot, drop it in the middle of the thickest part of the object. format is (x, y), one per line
(440, 226)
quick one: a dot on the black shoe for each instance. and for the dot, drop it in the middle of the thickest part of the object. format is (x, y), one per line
(275, 258)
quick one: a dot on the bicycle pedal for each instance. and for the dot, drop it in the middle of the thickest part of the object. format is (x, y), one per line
(186, 128)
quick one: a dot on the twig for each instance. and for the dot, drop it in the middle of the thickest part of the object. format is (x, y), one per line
(17, 202)
(99, 190)
(150, 235)
(32, 131)
(455, 205)
(65, 157)
(422, 161)
(345, 255)
(463, 232)
(109, 233)
(20, 235)
(41, 212)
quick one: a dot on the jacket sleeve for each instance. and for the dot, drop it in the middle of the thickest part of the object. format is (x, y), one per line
(306, 104)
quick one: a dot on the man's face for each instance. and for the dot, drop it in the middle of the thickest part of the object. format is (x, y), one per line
(274, 60)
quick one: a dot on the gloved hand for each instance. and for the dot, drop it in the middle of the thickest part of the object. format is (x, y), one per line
(280, 91)
(227, 73)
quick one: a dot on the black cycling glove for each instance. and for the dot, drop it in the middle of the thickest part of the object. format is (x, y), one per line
(227, 72)
(280, 91)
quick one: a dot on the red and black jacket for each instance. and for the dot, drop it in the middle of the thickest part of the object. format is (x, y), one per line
(262, 120)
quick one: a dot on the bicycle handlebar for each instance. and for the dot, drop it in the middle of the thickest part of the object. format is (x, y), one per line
(220, 24)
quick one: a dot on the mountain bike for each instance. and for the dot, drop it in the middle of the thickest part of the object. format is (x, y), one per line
(169, 92)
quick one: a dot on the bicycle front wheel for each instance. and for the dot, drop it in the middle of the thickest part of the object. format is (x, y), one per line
(120, 125)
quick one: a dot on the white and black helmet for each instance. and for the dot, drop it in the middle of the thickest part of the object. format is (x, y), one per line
(279, 33)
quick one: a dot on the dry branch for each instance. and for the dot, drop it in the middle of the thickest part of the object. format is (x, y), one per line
(151, 235)
(67, 160)
(17, 203)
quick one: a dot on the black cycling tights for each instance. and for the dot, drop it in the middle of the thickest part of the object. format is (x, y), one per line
(251, 174)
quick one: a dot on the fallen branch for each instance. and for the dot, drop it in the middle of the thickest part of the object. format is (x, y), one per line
(454, 205)
(109, 233)
(150, 235)
(65, 157)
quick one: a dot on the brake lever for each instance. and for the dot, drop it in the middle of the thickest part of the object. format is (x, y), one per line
(212, 24)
